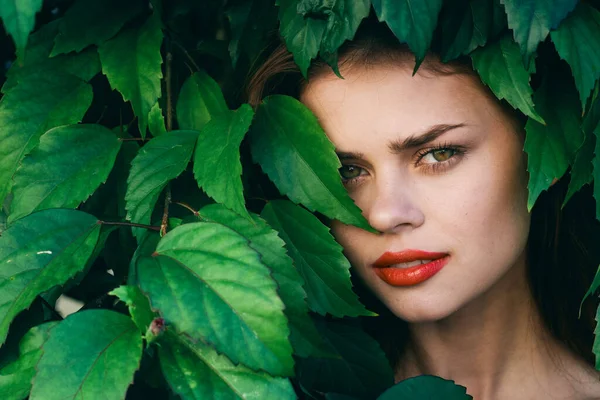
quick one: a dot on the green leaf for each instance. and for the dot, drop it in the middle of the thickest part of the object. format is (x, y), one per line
(156, 121)
(596, 171)
(343, 21)
(413, 22)
(103, 352)
(37, 104)
(89, 22)
(84, 65)
(551, 148)
(217, 166)
(596, 345)
(68, 165)
(360, 368)
(302, 35)
(591, 290)
(148, 241)
(41, 251)
(200, 99)
(15, 378)
(132, 63)
(318, 258)
(160, 160)
(196, 371)
(531, 20)
(138, 304)
(238, 310)
(499, 66)
(426, 387)
(18, 18)
(303, 336)
(576, 42)
(291, 147)
(582, 169)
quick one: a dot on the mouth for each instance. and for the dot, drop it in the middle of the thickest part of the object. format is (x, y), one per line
(409, 267)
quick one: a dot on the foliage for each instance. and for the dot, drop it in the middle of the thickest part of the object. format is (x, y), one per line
(128, 181)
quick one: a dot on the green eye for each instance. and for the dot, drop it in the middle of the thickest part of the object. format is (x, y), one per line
(349, 172)
(443, 154)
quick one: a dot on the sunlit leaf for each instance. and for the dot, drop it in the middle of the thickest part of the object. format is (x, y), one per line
(156, 121)
(200, 99)
(238, 310)
(318, 258)
(103, 352)
(68, 165)
(291, 147)
(426, 387)
(41, 251)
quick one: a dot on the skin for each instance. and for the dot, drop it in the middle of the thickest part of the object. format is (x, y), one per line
(474, 321)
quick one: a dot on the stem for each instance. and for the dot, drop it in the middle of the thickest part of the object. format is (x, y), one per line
(52, 309)
(184, 51)
(165, 217)
(196, 213)
(169, 127)
(150, 227)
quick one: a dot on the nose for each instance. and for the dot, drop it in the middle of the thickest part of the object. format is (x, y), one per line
(394, 207)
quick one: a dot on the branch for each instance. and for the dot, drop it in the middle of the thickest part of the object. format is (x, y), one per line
(150, 227)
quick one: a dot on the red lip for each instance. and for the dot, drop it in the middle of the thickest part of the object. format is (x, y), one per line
(409, 276)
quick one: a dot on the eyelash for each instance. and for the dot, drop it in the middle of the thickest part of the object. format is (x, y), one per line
(429, 168)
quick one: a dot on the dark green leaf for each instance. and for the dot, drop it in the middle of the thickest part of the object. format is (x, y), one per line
(148, 241)
(200, 99)
(531, 20)
(592, 289)
(196, 371)
(138, 304)
(596, 346)
(343, 21)
(160, 160)
(576, 41)
(426, 387)
(217, 166)
(291, 147)
(132, 63)
(90, 22)
(103, 352)
(318, 258)
(302, 35)
(68, 165)
(238, 309)
(596, 173)
(303, 335)
(15, 378)
(35, 105)
(156, 121)
(18, 18)
(41, 251)
(582, 169)
(413, 22)
(551, 148)
(499, 66)
(360, 368)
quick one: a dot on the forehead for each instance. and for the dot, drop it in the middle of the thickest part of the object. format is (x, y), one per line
(385, 100)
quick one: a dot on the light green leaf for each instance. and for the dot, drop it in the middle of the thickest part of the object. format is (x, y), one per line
(200, 99)
(41, 251)
(343, 21)
(582, 169)
(138, 304)
(196, 371)
(84, 65)
(291, 147)
(37, 104)
(103, 352)
(359, 369)
(238, 309)
(15, 378)
(132, 63)
(156, 121)
(89, 22)
(68, 165)
(552, 148)
(302, 36)
(576, 41)
(413, 22)
(18, 18)
(499, 66)
(160, 160)
(217, 166)
(318, 258)
(531, 20)
(426, 387)
(303, 336)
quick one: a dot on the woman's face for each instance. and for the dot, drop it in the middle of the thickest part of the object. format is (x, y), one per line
(436, 166)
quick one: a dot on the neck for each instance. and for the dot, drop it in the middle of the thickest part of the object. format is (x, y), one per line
(493, 346)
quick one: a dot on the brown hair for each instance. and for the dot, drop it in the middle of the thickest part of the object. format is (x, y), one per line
(562, 255)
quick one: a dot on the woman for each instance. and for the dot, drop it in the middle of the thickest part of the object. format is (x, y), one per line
(435, 162)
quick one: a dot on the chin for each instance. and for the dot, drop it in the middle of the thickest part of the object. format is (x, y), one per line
(421, 311)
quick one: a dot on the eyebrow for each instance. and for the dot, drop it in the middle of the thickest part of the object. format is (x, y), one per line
(397, 146)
